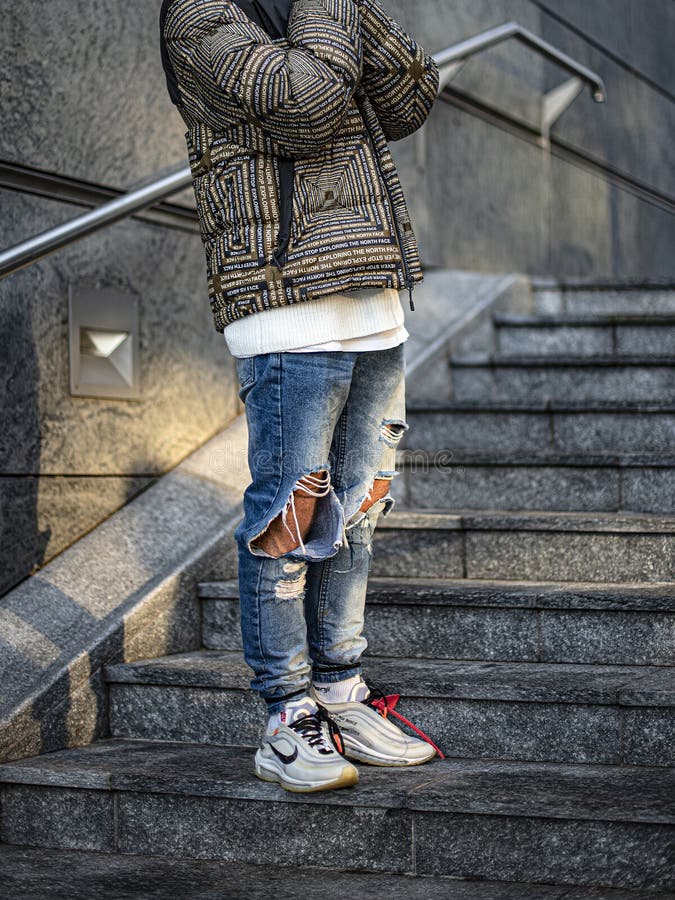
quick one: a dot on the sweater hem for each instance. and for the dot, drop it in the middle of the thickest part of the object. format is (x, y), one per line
(334, 317)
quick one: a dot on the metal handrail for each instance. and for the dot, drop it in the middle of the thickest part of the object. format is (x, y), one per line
(486, 39)
(41, 245)
(449, 61)
(555, 101)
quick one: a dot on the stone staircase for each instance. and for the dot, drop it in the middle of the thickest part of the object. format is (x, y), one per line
(522, 601)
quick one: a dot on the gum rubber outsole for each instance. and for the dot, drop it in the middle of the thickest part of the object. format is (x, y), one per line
(347, 779)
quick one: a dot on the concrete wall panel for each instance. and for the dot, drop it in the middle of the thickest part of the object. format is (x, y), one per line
(640, 32)
(631, 130)
(187, 377)
(83, 92)
(490, 200)
(581, 222)
(488, 195)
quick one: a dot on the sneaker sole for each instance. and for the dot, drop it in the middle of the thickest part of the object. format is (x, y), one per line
(358, 753)
(349, 778)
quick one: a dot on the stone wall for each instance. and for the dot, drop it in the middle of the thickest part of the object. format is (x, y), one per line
(84, 97)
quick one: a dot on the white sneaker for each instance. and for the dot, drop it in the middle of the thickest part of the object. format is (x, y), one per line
(302, 753)
(370, 736)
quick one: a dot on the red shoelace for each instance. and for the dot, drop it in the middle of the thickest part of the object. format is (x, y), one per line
(385, 703)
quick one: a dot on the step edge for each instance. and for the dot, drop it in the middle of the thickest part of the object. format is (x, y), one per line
(590, 320)
(525, 594)
(559, 407)
(527, 520)
(406, 799)
(447, 458)
(507, 688)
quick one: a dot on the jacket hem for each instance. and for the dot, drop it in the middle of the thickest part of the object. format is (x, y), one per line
(231, 309)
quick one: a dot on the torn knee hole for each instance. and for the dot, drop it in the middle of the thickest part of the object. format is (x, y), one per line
(316, 484)
(379, 489)
(392, 432)
(289, 529)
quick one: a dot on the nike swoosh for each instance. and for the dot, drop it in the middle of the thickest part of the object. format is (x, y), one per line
(286, 758)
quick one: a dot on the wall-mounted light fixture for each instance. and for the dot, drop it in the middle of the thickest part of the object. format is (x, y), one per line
(103, 332)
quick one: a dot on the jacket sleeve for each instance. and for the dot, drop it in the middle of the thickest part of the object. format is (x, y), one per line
(296, 90)
(400, 79)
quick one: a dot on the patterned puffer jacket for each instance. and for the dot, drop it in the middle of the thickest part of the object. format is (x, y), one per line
(297, 192)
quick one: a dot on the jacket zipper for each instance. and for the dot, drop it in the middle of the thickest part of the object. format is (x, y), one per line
(410, 284)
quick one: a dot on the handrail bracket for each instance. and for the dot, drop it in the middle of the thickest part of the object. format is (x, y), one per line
(555, 102)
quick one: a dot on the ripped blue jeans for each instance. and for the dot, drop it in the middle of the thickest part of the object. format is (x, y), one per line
(342, 413)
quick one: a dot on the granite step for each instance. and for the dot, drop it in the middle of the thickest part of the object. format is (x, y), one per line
(587, 335)
(547, 480)
(525, 546)
(648, 300)
(547, 823)
(498, 377)
(616, 624)
(613, 715)
(28, 873)
(612, 430)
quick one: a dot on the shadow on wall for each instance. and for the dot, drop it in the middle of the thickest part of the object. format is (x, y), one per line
(49, 702)
(55, 646)
(22, 543)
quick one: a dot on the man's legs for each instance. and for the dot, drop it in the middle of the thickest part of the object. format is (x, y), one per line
(304, 545)
(323, 431)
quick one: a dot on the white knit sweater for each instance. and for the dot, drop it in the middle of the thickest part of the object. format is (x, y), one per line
(347, 321)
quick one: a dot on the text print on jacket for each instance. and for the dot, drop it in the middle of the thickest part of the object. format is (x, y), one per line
(344, 81)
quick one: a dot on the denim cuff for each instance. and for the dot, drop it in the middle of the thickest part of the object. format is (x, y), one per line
(276, 704)
(333, 674)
